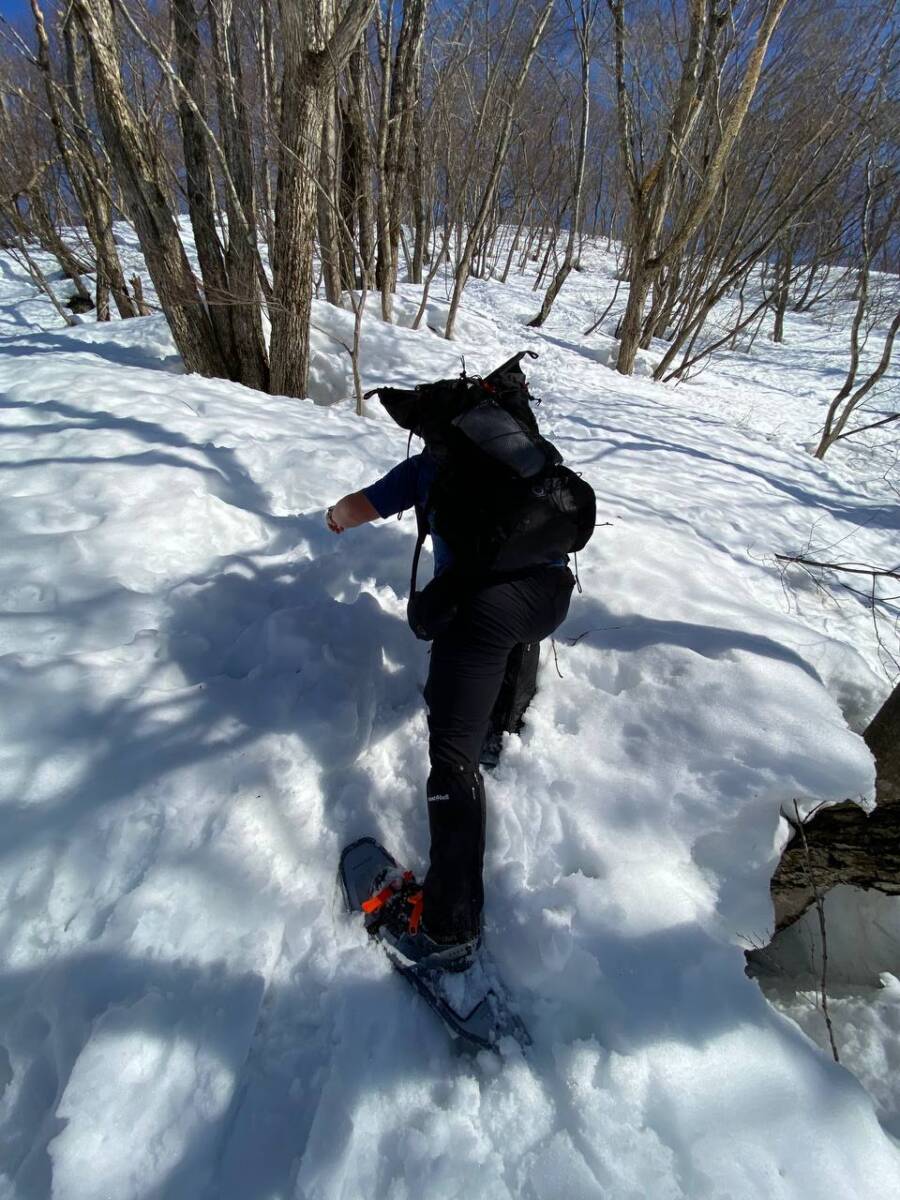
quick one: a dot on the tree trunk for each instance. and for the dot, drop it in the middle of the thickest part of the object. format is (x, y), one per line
(242, 263)
(514, 245)
(364, 156)
(153, 219)
(313, 56)
(86, 176)
(328, 204)
(548, 253)
(51, 241)
(383, 203)
(296, 212)
(94, 194)
(404, 100)
(199, 183)
(349, 185)
(633, 320)
(783, 293)
(421, 230)
(102, 298)
(654, 316)
(269, 106)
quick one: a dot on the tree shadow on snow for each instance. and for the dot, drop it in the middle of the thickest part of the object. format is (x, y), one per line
(220, 466)
(246, 1116)
(308, 651)
(593, 624)
(857, 508)
(294, 648)
(112, 350)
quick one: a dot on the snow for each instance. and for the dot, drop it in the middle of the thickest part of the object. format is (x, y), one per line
(207, 695)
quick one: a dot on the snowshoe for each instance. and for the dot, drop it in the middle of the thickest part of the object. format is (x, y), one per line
(459, 981)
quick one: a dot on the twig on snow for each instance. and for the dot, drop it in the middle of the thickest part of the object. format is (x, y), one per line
(820, 909)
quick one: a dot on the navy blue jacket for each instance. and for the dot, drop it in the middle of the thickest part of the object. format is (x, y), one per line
(407, 486)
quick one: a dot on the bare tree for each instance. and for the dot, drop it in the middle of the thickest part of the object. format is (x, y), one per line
(87, 172)
(654, 245)
(329, 202)
(400, 98)
(583, 15)
(199, 180)
(476, 228)
(358, 158)
(428, 125)
(139, 175)
(316, 48)
(855, 392)
(243, 268)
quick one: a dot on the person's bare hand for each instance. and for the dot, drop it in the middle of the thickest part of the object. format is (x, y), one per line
(350, 511)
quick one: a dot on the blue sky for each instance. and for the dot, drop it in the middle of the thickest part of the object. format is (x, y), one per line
(11, 9)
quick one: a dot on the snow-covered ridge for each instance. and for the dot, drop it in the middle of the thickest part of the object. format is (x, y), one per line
(206, 695)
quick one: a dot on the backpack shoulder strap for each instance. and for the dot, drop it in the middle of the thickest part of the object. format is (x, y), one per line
(421, 534)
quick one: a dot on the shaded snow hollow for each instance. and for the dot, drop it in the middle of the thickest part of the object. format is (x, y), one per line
(206, 695)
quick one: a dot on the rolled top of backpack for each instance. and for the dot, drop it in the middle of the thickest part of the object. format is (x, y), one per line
(429, 407)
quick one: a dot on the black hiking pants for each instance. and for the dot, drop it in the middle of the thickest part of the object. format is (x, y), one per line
(469, 664)
(517, 690)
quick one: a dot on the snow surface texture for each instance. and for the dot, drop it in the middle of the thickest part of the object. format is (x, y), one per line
(206, 695)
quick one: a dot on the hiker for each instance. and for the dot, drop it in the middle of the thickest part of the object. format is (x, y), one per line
(484, 665)
(498, 492)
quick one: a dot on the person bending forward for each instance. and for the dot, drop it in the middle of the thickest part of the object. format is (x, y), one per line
(474, 689)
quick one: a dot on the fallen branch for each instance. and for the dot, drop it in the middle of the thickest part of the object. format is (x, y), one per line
(880, 606)
(849, 568)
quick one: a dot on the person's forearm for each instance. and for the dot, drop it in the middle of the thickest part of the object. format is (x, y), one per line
(350, 511)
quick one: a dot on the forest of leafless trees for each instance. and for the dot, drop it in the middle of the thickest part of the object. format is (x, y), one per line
(740, 156)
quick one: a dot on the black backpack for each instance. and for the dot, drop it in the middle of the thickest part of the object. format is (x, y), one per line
(501, 498)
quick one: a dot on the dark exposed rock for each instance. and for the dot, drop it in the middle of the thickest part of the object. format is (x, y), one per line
(883, 739)
(845, 845)
(78, 304)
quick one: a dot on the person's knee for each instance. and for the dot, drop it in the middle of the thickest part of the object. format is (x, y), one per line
(453, 776)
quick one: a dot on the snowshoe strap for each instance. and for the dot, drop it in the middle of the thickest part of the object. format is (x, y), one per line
(415, 916)
(374, 903)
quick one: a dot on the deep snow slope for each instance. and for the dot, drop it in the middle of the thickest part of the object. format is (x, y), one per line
(205, 695)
